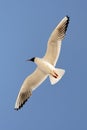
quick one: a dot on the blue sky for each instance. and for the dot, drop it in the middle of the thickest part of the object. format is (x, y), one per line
(25, 26)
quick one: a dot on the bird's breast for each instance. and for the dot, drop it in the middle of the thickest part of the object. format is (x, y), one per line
(45, 66)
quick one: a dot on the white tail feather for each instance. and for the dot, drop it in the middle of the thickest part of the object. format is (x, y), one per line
(60, 73)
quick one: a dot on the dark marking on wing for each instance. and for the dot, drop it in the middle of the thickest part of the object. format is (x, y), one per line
(23, 97)
(62, 29)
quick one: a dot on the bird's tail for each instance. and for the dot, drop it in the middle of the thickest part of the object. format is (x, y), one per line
(59, 74)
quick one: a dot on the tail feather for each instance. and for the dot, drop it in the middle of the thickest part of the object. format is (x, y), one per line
(60, 73)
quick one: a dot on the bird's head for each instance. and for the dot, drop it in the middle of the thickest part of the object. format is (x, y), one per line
(31, 59)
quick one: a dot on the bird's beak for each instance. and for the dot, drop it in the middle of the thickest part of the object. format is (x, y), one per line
(32, 59)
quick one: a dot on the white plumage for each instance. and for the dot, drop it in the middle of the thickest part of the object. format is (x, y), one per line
(45, 65)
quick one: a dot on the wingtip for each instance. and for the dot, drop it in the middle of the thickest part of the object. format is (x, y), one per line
(68, 17)
(16, 109)
(20, 106)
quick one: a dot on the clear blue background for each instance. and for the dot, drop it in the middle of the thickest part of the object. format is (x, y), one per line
(25, 26)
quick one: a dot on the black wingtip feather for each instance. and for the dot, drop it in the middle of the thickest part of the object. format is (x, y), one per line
(24, 96)
(68, 19)
(21, 105)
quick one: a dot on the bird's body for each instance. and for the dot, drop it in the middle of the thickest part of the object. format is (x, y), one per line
(45, 65)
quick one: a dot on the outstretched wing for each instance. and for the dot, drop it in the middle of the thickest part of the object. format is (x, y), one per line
(30, 84)
(54, 42)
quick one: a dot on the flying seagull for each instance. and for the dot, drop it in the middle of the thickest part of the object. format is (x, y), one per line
(45, 65)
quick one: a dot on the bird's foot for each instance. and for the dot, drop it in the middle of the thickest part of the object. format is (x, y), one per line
(54, 74)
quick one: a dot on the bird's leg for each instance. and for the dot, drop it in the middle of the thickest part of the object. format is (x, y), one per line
(54, 74)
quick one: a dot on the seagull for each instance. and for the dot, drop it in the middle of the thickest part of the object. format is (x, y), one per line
(45, 65)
